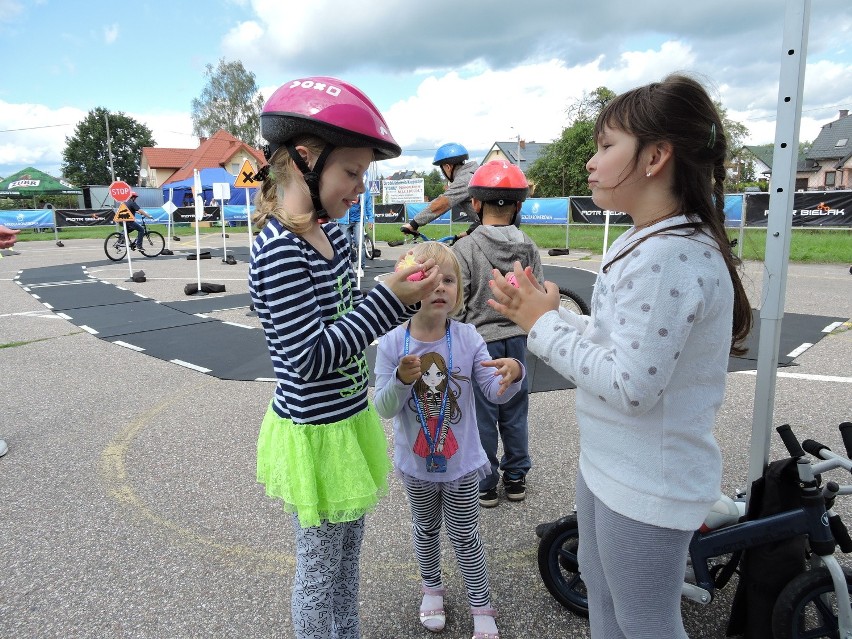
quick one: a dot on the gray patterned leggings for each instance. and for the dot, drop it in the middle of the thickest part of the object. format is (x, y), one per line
(633, 572)
(325, 586)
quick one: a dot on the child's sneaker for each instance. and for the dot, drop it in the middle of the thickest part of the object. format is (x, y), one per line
(488, 498)
(516, 489)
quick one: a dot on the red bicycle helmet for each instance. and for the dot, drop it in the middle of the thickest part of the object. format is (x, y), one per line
(332, 110)
(500, 182)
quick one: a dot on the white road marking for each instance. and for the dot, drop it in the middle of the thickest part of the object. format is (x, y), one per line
(88, 329)
(132, 347)
(180, 362)
(798, 351)
(806, 376)
(238, 325)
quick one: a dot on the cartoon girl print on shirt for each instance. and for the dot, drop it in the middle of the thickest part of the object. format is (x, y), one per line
(429, 389)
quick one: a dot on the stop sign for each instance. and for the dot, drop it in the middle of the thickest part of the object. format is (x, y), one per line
(120, 191)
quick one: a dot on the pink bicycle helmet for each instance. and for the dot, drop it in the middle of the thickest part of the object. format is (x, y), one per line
(330, 109)
(498, 181)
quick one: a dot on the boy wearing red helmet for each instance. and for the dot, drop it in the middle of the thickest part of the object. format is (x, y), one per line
(134, 207)
(498, 190)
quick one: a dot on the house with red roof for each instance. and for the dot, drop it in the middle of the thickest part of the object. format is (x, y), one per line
(222, 150)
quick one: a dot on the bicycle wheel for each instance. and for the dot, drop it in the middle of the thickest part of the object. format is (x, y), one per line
(807, 607)
(369, 249)
(573, 302)
(153, 244)
(114, 247)
(557, 564)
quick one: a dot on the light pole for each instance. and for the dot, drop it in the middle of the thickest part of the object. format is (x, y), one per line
(518, 155)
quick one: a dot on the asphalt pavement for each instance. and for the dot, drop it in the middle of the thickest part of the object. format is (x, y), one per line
(129, 508)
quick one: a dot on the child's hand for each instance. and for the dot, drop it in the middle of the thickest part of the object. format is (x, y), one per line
(410, 292)
(508, 368)
(408, 370)
(525, 304)
(407, 261)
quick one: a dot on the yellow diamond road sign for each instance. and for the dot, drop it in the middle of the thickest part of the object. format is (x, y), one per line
(245, 177)
(123, 214)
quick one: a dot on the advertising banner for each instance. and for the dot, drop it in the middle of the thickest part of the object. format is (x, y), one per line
(584, 210)
(27, 219)
(390, 213)
(83, 217)
(402, 191)
(552, 210)
(187, 214)
(810, 208)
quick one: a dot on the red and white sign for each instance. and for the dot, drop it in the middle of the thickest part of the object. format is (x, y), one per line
(120, 191)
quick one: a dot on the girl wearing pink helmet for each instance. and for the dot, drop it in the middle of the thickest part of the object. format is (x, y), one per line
(322, 450)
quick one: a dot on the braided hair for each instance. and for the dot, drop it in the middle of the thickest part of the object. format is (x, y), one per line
(679, 111)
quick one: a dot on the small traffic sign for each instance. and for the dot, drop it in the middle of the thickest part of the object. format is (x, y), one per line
(169, 207)
(123, 214)
(245, 176)
(120, 191)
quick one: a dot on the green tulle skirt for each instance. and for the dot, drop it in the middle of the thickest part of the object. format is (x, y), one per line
(324, 472)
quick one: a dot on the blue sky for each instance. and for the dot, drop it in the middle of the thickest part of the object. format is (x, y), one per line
(440, 71)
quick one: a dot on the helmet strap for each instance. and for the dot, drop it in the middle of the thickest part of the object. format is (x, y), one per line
(311, 176)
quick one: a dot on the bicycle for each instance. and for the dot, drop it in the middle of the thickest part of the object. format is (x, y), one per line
(568, 299)
(153, 244)
(367, 246)
(814, 603)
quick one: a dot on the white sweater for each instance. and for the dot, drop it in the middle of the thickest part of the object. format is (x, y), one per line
(650, 367)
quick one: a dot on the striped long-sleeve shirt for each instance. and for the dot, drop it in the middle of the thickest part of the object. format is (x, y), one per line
(317, 325)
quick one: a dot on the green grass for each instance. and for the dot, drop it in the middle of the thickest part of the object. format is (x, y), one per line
(806, 245)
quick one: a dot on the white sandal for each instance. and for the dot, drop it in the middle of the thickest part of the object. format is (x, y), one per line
(435, 619)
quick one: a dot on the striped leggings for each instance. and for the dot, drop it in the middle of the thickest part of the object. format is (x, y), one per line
(325, 586)
(633, 572)
(457, 505)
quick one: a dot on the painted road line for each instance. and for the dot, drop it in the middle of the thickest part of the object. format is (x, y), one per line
(88, 329)
(805, 376)
(831, 327)
(798, 351)
(239, 325)
(265, 379)
(200, 369)
(132, 347)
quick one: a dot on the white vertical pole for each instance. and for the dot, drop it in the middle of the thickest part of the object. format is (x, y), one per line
(781, 189)
(606, 233)
(222, 222)
(742, 227)
(127, 246)
(199, 215)
(248, 222)
(568, 225)
(169, 221)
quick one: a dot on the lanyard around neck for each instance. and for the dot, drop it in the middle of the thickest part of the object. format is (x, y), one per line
(439, 435)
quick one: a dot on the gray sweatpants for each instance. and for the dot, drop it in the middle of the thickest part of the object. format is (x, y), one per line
(633, 572)
(325, 586)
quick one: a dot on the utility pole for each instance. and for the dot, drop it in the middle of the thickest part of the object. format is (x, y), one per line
(109, 147)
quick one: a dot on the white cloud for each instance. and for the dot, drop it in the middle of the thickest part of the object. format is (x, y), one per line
(111, 33)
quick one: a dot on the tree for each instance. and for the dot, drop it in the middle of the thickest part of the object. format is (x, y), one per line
(561, 169)
(230, 101)
(85, 159)
(433, 184)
